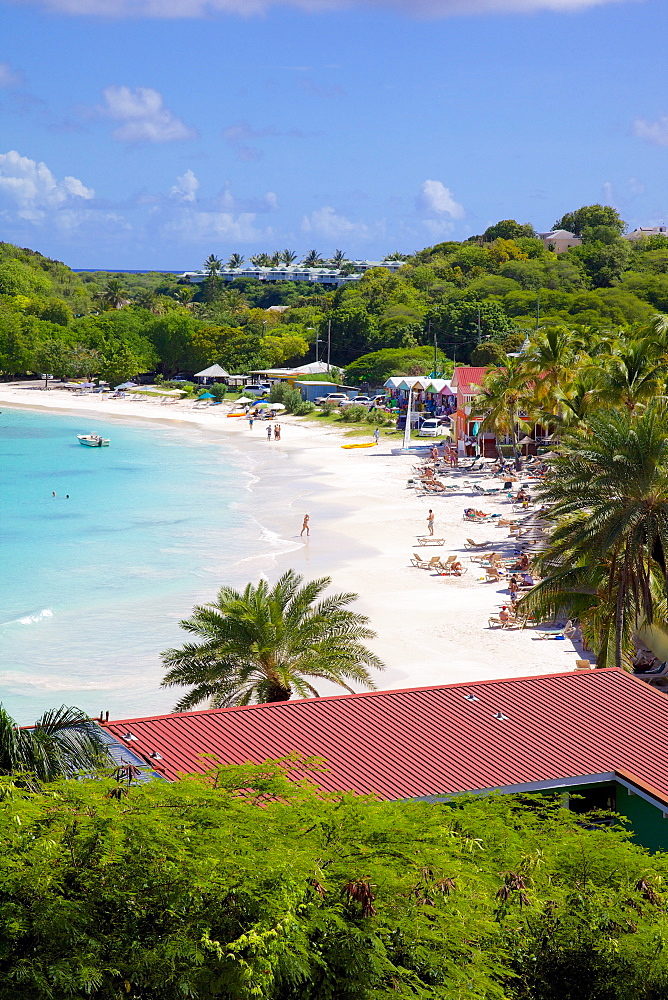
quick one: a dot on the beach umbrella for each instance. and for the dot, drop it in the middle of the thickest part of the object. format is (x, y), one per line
(259, 405)
(241, 400)
(206, 395)
(276, 406)
(526, 440)
(126, 385)
(549, 454)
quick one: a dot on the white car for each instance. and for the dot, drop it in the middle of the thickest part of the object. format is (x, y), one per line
(432, 427)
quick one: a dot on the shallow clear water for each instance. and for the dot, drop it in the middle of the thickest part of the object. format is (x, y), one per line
(92, 587)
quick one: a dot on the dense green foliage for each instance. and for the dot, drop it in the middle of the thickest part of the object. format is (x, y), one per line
(266, 643)
(63, 742)
(248, 886)
(488, 290)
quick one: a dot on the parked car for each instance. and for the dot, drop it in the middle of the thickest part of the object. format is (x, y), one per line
(334, 397)
(256, 390)
(362, 400)
(432, 427)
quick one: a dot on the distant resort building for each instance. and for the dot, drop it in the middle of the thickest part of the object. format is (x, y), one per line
(298, 272)
(559, 240)
(644, 231)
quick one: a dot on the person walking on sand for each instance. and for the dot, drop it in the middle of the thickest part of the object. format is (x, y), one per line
(376, 436)
(277, 432)
(269, 433)
(305, 527)
(250, 422)
(430, 522)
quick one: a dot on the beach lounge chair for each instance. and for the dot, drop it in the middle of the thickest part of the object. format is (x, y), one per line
(430, 540)
(418, 561)
(557, 633)
(493, 575)
(470, 544)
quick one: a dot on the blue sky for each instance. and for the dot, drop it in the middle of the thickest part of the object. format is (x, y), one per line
(149, 133)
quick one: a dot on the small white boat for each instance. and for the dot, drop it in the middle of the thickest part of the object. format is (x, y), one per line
(93, 440)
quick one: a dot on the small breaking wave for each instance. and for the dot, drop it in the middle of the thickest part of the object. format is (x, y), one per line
(30, 619)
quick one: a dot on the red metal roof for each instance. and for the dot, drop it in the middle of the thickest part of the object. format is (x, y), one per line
(463, 378)
(430, 741)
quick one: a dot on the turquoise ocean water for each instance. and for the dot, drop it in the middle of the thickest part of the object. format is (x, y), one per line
(92, 587)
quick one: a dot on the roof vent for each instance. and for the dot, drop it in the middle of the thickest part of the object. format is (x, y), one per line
(128, 737)
(471, 697)
(154, 755)
(500, 716)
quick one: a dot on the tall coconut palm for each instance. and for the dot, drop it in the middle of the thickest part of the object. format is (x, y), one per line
(288, 257)
(276, 259)
(632, 375)
(313, 259)
(212, 264)
(114, 296)
(235, 261)
(552, 359)
(500, 400)
(265, 643)
(64, 742)
(339, 258)
(608, 501)
(261, 260)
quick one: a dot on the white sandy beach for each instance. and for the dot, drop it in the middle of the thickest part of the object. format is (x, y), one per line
(431, 629)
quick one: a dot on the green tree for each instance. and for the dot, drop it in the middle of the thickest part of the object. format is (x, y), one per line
(508, 229)
(288, 257)
(119, 364)
(462, 325)
(251, 884)
(602, 262)
(63, 742)
(114, 295)
(265, 643)
(590, 215)
(184, 296)
(608, 502)
(53, 357)
(235, 261)
(631, 375)
(339, 258)
(504, 393)
(313, 259)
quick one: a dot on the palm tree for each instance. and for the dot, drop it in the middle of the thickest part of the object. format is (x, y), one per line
(263, 643)
(339, 258)
(500, 400)
(608, 499)
(552, 358)
(276, 259)
(395, 256)
(313, 259)
(235, 261)
(288, 257)
(114, 295)
(632, 375)
(261, 260)
(212, 265)
(184, 296)
(64, 742)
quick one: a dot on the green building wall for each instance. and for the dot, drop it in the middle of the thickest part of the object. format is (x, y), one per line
(647, 823)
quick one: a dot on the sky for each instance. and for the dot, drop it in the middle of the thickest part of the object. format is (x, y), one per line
(141, 134)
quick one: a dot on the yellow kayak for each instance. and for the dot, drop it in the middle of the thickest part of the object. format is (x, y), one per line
(236, 414)
(369, 445)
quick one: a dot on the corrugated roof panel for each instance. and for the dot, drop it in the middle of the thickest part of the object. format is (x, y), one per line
(429, 741)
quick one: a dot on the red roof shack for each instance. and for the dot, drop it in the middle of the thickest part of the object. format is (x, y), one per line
(601, 734)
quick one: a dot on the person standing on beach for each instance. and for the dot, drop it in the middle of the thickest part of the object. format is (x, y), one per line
(376, 436)
(430, 522)
(269, 433)
(277, 432)
(250, 422)
(305, 527)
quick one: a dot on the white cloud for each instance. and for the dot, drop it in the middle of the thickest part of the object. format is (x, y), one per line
(654, 132)
(143, 115)
(186, 187)
(193, 226)
(247, 8)
(32, 191)
(9, 78)
(327, 223)
(436, 197)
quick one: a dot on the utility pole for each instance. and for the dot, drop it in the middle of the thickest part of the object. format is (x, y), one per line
(537, 311)
(479, 330)
(329, 343)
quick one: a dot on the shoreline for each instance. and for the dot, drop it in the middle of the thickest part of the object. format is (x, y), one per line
(364, 521)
